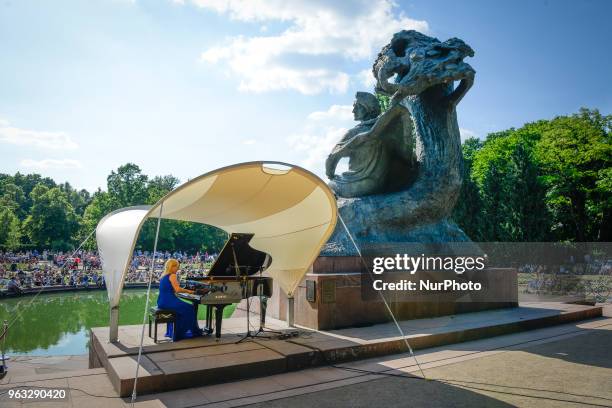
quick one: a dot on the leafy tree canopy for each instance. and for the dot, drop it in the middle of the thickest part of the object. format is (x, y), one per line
(548, 180)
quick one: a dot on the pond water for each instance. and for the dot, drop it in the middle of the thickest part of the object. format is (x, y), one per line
(59, 323)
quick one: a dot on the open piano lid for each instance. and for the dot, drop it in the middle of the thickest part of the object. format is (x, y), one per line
(250, 261)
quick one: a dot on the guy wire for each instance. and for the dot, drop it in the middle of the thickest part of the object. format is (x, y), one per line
(383, 298)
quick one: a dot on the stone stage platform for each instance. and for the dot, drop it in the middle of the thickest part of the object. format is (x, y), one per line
(195, 362)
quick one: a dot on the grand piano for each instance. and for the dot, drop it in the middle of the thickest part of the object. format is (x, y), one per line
(235, 275)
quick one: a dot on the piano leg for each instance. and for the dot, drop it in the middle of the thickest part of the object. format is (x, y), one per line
(218, 320)
(209, 312)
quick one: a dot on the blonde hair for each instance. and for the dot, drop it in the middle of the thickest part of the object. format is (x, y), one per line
(169, 263)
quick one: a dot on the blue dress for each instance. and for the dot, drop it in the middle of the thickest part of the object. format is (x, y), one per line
(186, 325)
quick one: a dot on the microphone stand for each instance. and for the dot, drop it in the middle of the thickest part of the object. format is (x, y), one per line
(261, 332)
(243, 284)
(262, 313)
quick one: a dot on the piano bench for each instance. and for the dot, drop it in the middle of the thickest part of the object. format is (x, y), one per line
(157, 315)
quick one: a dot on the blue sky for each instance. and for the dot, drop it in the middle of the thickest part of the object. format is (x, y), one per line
(183, 87)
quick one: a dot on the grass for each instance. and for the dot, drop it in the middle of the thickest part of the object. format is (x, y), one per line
(227, 312)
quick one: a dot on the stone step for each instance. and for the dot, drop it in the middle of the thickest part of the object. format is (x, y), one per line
(59, 375)
(164, 368)
(185, 368)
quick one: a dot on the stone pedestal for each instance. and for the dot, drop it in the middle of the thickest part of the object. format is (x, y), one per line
(329, 297)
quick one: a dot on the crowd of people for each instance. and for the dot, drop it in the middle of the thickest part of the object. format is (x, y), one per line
(34, 269)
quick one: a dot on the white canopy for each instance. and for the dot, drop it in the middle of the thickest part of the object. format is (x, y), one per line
(291, 211)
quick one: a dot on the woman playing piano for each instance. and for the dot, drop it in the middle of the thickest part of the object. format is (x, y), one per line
(186, 325)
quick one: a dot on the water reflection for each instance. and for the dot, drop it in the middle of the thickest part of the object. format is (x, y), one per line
(58, 324)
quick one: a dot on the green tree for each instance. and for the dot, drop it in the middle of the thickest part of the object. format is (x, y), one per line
(127, 186)
(548, 180)
(181, 235)
(159, 186)
(79, 199)
(12, 196)
(100, 205)
(13, 239)
(27, 182)
(10, 230)
(52, 221)
(506, 172)
(528, 214)
(576, 156)
(468, 210)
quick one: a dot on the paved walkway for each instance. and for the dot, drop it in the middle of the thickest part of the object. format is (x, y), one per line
(547, 368)
(567, 365)
(22, 366)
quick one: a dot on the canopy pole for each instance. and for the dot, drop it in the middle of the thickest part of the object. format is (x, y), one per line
(113, 328)
(144, 317)
(291, 311)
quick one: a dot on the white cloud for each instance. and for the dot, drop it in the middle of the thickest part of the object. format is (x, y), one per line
(315, 147)
(302, 56)
(36, 138)
(322, 130)
(335, 112)
(51, 164)
(367, 78)
(466, 133)
(249, 142)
